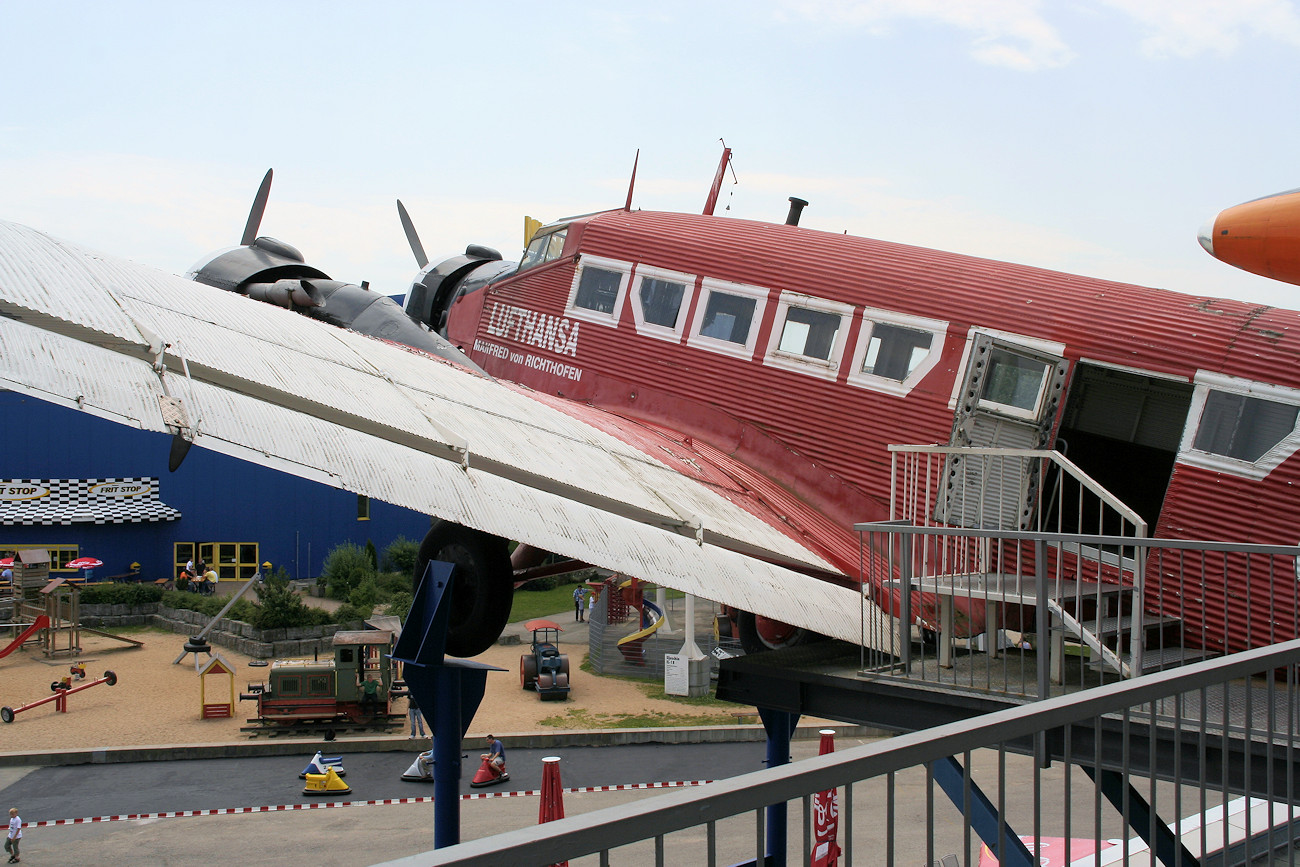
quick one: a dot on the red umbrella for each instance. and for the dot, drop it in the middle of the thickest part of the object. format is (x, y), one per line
(83, 563)
(552, 801)
(6, 561)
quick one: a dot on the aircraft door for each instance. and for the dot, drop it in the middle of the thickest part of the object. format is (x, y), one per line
(1009, 399)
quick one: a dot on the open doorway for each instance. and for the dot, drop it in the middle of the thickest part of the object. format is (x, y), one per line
(1123, 428)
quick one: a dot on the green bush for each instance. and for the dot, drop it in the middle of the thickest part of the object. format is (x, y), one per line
(347, 612)
(400, 606)
(344, 569)
(279, 607)
(400, 556)
(392, 583)
(121, 594)
(372, 555)
(365, 594)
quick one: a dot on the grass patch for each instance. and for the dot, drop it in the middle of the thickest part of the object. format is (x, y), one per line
(580, 718)
(553, 603)
(655, 689)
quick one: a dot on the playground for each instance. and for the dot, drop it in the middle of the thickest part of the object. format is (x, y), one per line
(157, 702)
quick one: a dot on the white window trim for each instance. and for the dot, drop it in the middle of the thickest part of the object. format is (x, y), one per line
(607, 319)
(726, 347)
(883, 384)
(649, 329)
(827, 369)
(1206, 381)
(1047, 347)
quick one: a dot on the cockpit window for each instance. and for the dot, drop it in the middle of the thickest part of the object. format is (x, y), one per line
(544, 247)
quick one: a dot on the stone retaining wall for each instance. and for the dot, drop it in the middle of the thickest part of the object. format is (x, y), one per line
(234, 634)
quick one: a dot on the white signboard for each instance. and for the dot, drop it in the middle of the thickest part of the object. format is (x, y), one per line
(677, 674)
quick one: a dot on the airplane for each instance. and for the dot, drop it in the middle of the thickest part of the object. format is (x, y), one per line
(702, 402)
(1261, 236)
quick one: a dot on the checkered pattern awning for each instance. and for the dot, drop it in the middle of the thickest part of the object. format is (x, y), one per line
(44, 502)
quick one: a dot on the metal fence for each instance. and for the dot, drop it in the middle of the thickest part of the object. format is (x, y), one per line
(1036, 618)
(1160, 768)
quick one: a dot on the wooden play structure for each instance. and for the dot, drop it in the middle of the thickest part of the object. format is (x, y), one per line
(215, 667)
(49, 616)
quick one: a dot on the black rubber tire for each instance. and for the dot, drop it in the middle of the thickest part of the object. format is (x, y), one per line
(7, 714)
(482, 585)
(753, 642)
(110, 678)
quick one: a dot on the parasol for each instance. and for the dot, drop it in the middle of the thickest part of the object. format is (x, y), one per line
(83, 563)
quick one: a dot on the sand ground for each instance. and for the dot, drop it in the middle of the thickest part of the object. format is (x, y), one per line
(158, 702)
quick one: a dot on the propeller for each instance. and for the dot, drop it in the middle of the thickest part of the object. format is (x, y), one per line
(412, 237)
(259, 208)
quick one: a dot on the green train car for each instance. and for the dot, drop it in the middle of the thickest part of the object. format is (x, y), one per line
(329, 690)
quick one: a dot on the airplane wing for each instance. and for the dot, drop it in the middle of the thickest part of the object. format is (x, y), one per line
(154, 351)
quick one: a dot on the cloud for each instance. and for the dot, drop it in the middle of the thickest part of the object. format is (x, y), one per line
(1185, 28)
(1007, 33)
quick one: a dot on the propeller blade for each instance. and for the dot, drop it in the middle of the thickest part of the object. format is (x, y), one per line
(259, 208)
(412, 237)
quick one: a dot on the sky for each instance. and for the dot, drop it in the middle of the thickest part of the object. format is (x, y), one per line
(1088, 136)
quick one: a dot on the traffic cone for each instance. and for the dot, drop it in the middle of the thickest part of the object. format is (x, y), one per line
(328, 783)
(320, 764)
(826, 815)
(552, 805)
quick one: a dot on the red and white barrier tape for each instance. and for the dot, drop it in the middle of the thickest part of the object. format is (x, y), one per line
(322, 805)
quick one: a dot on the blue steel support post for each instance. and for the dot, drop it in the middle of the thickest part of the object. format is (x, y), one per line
(779, 725)
(448, 691)
(983, 816)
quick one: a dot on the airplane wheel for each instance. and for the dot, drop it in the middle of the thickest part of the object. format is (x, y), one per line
(483, 584)
(528, 671)
(760, 633)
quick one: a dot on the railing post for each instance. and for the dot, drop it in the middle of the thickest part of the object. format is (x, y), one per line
(905, 600)
(1042, 623)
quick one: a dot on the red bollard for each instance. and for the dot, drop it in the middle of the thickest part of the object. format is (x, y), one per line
(826, 815)
(60, 697)
(552, 805)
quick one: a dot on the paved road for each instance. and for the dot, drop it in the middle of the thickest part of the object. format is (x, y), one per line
(83, 791)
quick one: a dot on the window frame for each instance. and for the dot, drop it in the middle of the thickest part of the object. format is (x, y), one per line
(650, 329)
(585, 314)
(781, 359)
(710, 285)
(548, 232)
(872, 316)
(1206, 382)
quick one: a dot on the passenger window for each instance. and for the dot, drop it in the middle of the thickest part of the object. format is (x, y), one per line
(728, 317)
(810, 333)
(661, 301)
(1013, 382)
(598, 290)
(599, 287)
(895, 352)
(1243, 427)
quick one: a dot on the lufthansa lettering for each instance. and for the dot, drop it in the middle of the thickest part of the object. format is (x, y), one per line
(555, 333)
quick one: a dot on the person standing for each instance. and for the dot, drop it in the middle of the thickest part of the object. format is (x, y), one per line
(577, 603)
(15, 834)
(413, 711)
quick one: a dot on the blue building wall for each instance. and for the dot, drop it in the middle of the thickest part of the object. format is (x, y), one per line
(295, 522)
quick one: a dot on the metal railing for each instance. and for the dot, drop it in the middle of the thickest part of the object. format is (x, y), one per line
(1197, 599)
(1096, 775)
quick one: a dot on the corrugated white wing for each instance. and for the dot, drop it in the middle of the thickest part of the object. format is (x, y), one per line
(270, 386)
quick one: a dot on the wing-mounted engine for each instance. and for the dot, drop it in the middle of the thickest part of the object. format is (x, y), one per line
(272, 271)
(438, 286)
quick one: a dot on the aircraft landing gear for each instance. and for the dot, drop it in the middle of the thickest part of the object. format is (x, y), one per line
(483, 588)
(760, 633)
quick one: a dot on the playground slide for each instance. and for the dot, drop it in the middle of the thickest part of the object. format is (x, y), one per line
(42, 622)
(630, 645)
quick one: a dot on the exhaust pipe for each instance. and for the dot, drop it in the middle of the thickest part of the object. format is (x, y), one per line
(796, 208)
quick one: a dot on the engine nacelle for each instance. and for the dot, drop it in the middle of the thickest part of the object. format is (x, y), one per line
(437, 287)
